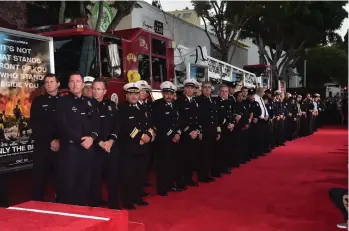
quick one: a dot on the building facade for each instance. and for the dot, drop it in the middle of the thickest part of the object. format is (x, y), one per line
(187, 15)
(184, 33)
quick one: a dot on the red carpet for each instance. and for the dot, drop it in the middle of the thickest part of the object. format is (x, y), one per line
(286, 190)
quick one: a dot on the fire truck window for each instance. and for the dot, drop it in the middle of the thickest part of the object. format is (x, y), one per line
(143, 66)
(159, 69)
(104, 61)
(75, 53)
(158, 46)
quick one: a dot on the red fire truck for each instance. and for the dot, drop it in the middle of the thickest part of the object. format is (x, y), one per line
(114, 57)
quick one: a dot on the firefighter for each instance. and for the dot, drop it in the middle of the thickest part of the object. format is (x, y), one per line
(88, 80)
(79, 129)
(307, 106)
(44, 123)
(146, 105)
(222, 159)
(211, 132)
(188, 110)
(134, 134)
(255, 132)
(106, 156)
(167, 163)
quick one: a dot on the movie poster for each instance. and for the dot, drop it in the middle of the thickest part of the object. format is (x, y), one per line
(24, 61)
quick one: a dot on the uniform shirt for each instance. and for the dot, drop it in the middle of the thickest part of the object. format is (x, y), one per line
(133, 124)
(43, 118)
(255, 109)
(165, 120)
(109, 120)
(225, 113)
(208, 115)
(78, 117)
(260, 101)
(188, 110)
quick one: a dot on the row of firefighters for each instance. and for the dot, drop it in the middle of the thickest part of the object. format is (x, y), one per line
(87, 139)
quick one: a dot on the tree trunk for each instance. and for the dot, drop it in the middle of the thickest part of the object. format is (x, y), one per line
(61, 13)
(100, 16)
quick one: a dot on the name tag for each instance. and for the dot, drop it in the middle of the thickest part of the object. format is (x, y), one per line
(132, 117)
(167, 113)
(45, 105)
(102, 116)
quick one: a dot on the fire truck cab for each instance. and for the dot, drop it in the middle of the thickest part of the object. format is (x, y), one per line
(112, 56)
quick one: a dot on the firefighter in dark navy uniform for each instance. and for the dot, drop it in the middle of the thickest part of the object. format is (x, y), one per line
(43, 120)
(146, 105)
(226, 125)
(106, 157)
(79, 128)
(254, 132)
(168, 136)
(210, 132)
(190, 128)
(135, 133)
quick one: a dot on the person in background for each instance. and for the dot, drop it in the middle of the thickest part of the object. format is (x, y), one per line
(79, 125)
(167, 159)
(210, 132)
(44, 123)
(188, 111)
(146, 105)
(88, 80)
(106, 156)
(134, 134)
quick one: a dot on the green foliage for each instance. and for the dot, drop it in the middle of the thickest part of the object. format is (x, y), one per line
(326, 64)
(292, 26)
(226, 20)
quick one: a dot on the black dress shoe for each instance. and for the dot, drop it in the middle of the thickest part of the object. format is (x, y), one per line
(175, 189)
(204, 180)
(142, 203)
(192, 183)
(163, 194)
(217, 175)
(129, 207)
(228, 172)
(115, 207)
(210, 179)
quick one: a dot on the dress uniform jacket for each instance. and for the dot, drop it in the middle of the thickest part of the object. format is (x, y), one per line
(134, 123)
(208, 115)
(225, 114)
(43, 118)
(188, 115)
(165, 120)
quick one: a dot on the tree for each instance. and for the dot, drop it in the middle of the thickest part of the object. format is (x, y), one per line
(288, 27)
(124, 8)
(326, 64)
(226, 19)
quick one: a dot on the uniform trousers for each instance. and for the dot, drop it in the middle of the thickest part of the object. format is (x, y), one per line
(107, 165)
(75, 167)
(165, 167)
(217, 159)
(44, 165)
(189, 148)
(207, 148)
(132, 177)
(227, 149)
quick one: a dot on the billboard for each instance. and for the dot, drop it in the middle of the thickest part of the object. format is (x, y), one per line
(24, 60)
